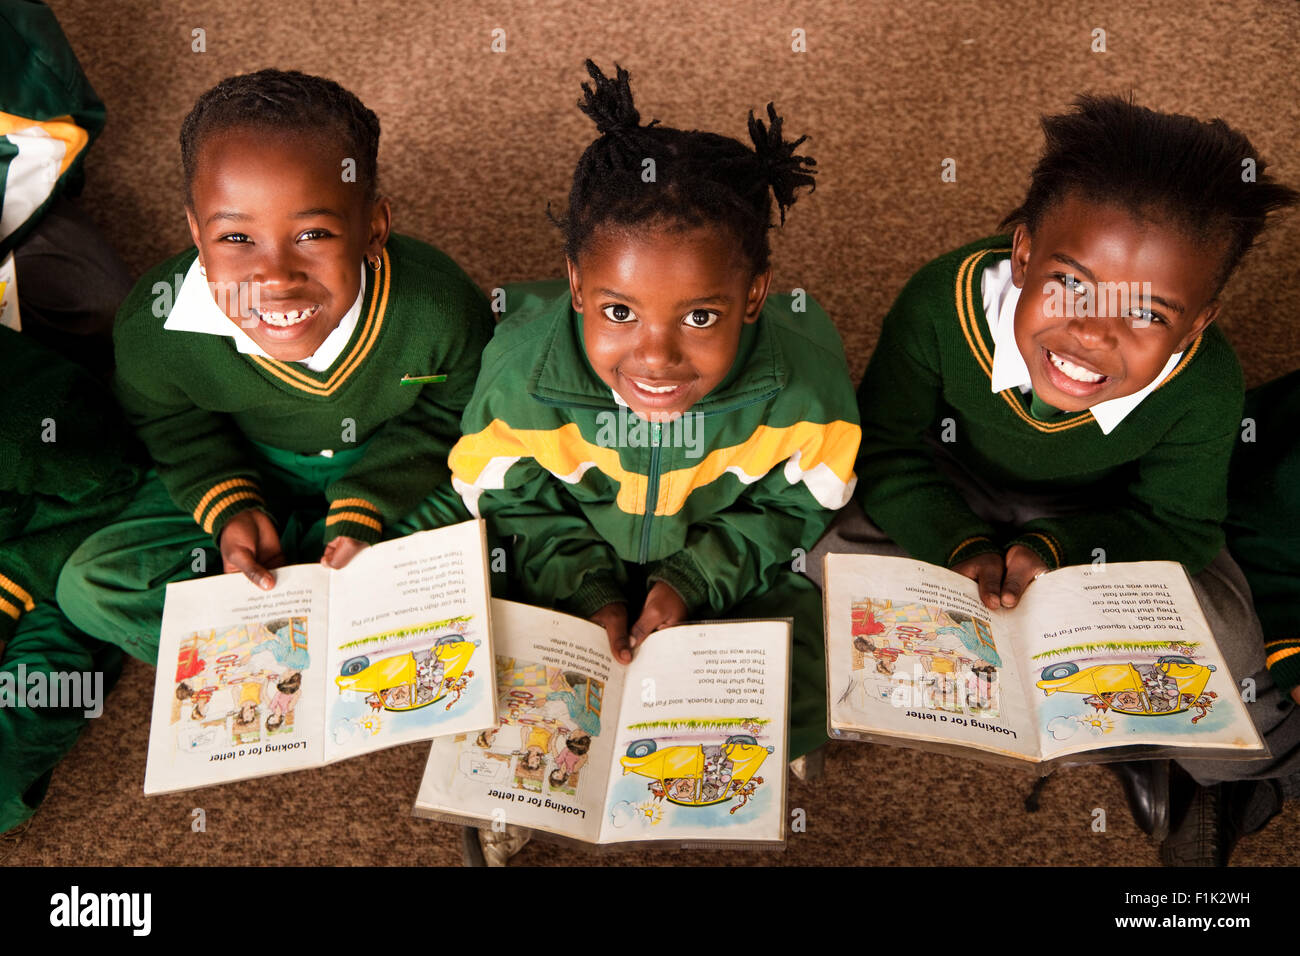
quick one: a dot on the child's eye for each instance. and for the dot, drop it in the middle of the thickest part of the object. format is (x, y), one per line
(618, 313)
(237, 237)
(1141, 318)
(315, 234)
(701, 318)
(1070, 282)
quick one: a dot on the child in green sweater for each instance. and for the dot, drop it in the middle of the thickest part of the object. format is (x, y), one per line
(659, 436)
(1063, 396)
(301, 365)
(67, 466)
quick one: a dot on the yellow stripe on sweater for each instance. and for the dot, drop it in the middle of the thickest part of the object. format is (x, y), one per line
(565, 453)
(222, 504)
(356, 517)
(1279, 655)
(968, 321)
(12, 587)
(11, 609)
(218, 489)
(354, 503)
(287, 373)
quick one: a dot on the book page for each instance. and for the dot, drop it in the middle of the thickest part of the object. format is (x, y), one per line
(911, 652)
(1120, 655)
(545, 764)
(239, 690)
(701, 736)
(409, 649)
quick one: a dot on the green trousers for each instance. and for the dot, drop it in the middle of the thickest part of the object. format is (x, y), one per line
(33, 739)
(114, 584)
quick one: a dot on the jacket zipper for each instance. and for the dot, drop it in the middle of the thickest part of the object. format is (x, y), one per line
(652, 492)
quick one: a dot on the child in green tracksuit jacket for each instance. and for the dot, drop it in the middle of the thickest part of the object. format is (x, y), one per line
(66, 467)
(302, 364)
(663, 439)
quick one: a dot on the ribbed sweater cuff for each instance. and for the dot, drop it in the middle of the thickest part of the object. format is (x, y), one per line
(15, 601)
(970, 548)
(1043, 545)
(679, 573)
(355, 518)
(214, 508)
(594, 591)
(1283, 660)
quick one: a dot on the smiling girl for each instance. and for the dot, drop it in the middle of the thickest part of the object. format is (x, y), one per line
(571, 440)
(299, 384)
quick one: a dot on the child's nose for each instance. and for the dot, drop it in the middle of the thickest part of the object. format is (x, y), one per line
(1094, 331)
(659, 349)
(278, 266)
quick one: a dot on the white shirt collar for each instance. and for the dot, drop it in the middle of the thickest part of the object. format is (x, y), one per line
(1009, 369)
(196, 311)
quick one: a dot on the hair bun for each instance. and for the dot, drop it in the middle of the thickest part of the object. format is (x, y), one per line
(609, 104)
(785, 171)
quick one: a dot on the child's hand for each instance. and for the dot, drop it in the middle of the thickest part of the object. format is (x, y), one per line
(613, 618)
(986, 570)
(250, 544)
(1002, 581)
(663, 608)
(1023, 566)
(342, 550)
(1295, 691)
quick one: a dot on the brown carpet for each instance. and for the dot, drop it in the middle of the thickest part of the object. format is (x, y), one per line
(477, 143)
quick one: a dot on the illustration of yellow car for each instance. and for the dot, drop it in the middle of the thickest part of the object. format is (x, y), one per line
(412, 680)
(698, 775)
(1172, 685)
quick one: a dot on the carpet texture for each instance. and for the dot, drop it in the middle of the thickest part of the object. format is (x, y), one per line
(476, 144)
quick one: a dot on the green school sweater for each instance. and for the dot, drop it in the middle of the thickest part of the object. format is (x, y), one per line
(1264, 520)
(54, 115)
(1155, 488)
(67, 465)
(714, 504)
(195, 400)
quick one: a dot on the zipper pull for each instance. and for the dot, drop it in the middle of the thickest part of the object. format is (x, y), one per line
(654, 433)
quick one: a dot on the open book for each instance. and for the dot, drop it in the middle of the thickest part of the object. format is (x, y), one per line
(685, 745)
(1096, 663)
(395, 647)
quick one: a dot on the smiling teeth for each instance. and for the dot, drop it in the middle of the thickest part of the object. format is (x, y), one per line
(1072, 371)
(659, 390)
(283, 320)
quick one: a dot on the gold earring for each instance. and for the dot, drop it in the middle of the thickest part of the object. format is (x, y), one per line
(375, 262)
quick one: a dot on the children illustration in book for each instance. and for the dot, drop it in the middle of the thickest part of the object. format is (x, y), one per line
(553, 714)
(231, 687)
(942, 658)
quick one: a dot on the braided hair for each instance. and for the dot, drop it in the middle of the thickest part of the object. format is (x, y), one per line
(279, 100)
(699, 178)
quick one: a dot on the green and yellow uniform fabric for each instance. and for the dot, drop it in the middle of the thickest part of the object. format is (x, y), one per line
(719, 504)
(359, 449)
(1154, 488)
(67, 465)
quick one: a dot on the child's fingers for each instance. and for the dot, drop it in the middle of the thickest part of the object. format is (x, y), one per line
(989, 578)
(242, 560)
(620, 644)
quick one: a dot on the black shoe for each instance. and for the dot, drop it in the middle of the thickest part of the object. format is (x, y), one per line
(1218, 817)
(1147, 789)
